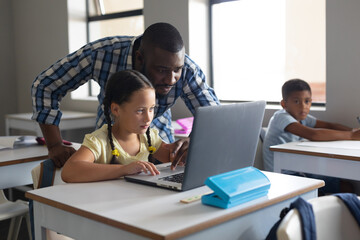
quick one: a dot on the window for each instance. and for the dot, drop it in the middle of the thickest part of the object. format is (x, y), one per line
(115, 17)
(109, 18)
(258, 44)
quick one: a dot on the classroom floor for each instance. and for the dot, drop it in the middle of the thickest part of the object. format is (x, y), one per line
(4, 225)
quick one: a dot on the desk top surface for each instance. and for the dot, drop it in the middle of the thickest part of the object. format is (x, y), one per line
(25, 154)
(145, 210)
(22, 155)
(67, 115)
(320, 150)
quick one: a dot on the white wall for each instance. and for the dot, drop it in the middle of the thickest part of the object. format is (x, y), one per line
(172, 11)
(343, 61)
(40, 38)
(34, 34)
(8, 84)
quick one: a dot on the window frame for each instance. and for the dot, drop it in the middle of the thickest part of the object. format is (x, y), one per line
(102, 17)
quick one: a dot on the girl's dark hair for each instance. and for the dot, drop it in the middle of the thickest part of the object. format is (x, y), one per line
(294, 85)
(119, 89)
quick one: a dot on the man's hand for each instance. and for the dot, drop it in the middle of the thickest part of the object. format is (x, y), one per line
(60, 153)
(178, 152)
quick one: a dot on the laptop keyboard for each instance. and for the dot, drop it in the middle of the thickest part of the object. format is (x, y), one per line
(174, 178)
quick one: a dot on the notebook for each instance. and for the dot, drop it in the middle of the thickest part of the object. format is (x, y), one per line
(223, 138)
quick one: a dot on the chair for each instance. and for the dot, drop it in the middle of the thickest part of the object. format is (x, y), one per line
(332, 220)
(38, 176)
(258, 163)
(15, 211)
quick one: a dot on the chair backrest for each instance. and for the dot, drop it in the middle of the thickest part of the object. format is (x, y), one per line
(259, 163)
(38, 175)
(35, 174)
(3, 198)
(333, 220)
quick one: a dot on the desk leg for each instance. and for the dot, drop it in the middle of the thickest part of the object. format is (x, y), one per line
(7, 127)
(277, 163)
(38, 131)
(40, 231)
(11, 194)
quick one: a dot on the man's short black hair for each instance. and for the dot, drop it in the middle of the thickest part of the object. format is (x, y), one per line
(164, 36)
(294, 85)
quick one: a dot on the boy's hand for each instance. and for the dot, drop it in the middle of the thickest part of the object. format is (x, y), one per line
(140, 166)
(356, 134)
(178, 152)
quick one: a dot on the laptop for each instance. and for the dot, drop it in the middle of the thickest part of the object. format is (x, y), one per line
(223, 138)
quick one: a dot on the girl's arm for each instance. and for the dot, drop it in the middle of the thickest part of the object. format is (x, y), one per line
(81, 168)
(321, 134)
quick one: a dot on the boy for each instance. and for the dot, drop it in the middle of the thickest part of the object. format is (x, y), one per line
(293, 122)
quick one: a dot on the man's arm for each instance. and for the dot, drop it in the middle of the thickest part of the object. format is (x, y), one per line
(58, 152)
(196, 92)
(47, 91)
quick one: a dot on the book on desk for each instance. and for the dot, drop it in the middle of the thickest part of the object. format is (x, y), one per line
(185, 124)
(13, 142)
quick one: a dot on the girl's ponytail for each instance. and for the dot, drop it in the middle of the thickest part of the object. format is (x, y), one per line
(115, 153)
(150, 147)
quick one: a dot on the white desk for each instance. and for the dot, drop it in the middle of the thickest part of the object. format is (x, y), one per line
(334, 162)
(119, 209)
(69, 121)
(16, 164)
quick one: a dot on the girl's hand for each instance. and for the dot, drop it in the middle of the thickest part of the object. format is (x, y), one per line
(140, 166)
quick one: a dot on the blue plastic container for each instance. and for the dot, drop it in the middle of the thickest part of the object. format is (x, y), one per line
(236, 187)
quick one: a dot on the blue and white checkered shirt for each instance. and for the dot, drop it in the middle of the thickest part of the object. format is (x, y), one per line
(98, 61)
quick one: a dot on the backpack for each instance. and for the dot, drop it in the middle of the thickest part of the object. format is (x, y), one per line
(307, 217)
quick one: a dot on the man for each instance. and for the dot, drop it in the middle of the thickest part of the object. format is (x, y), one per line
(159, 54)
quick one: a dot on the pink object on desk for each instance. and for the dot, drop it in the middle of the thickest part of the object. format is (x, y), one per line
(41, 141)
(186, 124)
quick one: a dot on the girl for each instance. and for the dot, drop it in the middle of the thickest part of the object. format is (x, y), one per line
(122, 147)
